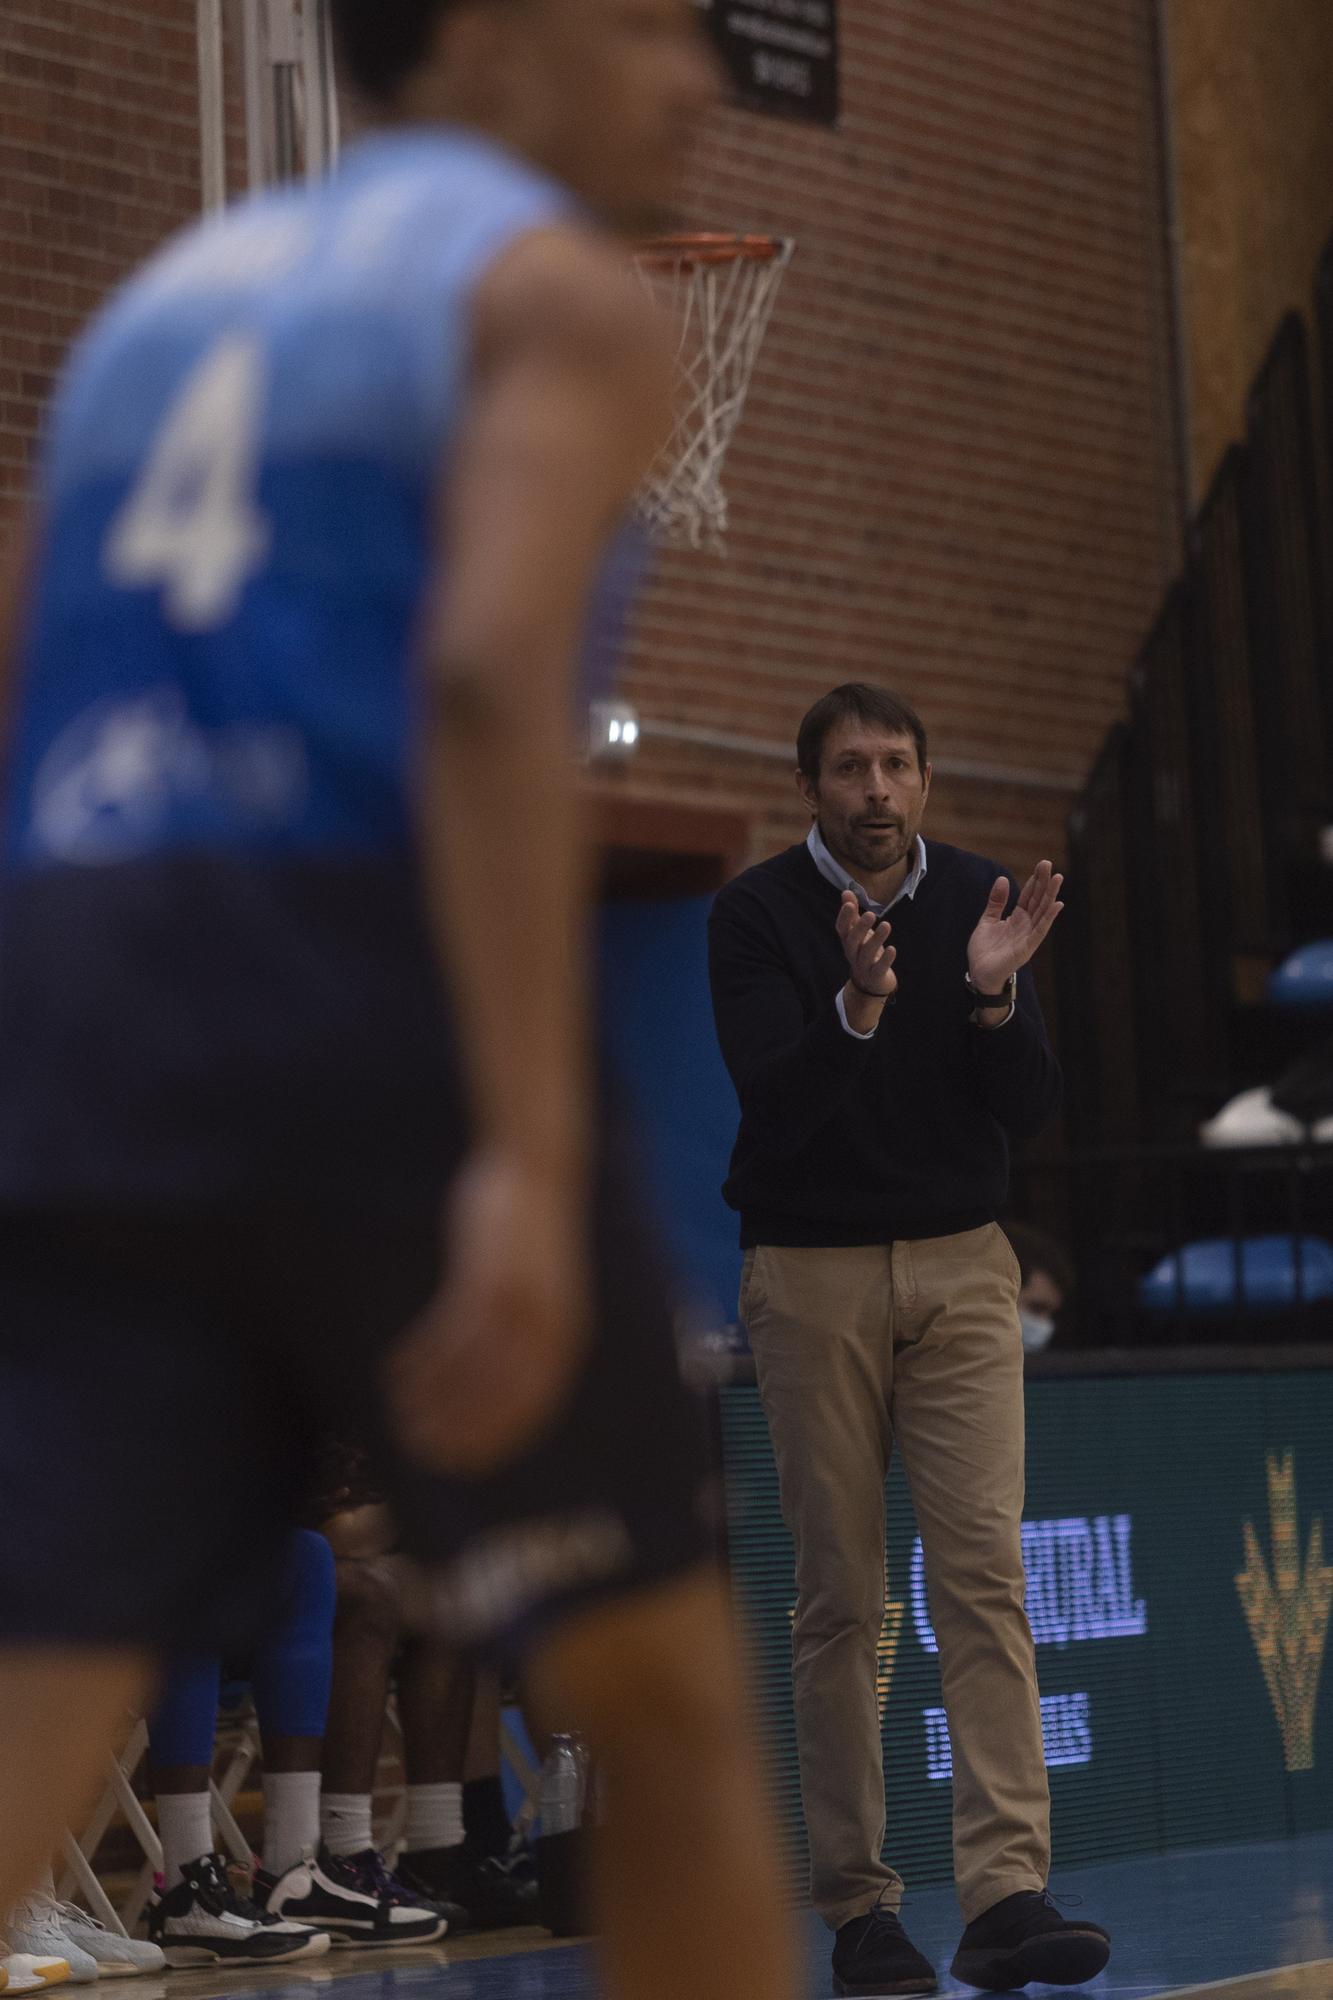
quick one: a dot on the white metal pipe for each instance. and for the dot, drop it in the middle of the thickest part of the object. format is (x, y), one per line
(257, 93)
(212, 121)
(335, 134)
(318, 134)
(1169, 175)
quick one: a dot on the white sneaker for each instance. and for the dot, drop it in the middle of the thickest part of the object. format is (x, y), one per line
(36, 1931)
(202, 1921)
(116, 1956)
(26, 1974)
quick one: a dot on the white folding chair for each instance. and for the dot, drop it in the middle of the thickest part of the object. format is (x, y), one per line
(238, 1740)
(80, 1849)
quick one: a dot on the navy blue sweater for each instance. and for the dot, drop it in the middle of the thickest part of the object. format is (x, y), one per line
(849, 1141)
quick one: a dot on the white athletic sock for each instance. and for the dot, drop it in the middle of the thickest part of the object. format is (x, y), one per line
(434, 1816)
(291, 1818)
(185, 1828)
(345, 1818)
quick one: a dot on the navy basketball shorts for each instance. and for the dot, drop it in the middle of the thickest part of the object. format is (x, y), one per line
(167, 1383)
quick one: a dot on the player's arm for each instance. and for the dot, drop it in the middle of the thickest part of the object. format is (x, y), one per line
(569, 401)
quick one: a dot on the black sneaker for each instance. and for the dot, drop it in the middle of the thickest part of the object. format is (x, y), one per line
(1025, 1940)
(518, 1859)
(202, 1921)
(873, 1954)
(319, 1889)
(363, 1904)
(493, 1893)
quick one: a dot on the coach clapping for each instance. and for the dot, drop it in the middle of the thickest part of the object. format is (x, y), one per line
(879, 1022)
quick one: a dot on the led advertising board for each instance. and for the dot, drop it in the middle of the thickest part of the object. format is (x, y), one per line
(1180, 1584)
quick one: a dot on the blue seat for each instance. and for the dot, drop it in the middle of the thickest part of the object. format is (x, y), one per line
(1202, 1276)
(1305, 978)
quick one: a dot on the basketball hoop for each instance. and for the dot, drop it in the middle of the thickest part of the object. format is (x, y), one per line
(720, 291)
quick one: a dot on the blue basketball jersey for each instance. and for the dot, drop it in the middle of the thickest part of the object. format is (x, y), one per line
(214, 969)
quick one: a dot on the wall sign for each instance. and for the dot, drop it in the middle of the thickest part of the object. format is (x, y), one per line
(781, 55)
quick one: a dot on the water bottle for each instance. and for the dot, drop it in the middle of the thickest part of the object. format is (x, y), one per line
(562, 1784)
(561, 1856)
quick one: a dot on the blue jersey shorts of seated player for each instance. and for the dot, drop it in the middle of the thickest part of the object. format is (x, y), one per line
(229, 1087)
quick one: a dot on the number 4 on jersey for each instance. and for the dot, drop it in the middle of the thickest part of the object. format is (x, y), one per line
(191, 524)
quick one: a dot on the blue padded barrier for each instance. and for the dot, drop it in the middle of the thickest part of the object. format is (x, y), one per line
(1305, 978)
(1202, 1277)
(657, 1019)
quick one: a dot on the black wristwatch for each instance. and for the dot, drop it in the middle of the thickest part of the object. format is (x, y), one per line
(1007, 998)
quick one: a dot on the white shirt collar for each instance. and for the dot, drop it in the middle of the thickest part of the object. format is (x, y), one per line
(834, 872)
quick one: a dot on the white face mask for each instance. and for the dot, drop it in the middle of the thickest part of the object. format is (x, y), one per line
(1037, 1329)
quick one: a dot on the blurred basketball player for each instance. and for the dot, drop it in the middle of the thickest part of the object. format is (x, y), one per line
(334, 490)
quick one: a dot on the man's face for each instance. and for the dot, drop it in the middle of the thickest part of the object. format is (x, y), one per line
(870, 796)
(619, 90)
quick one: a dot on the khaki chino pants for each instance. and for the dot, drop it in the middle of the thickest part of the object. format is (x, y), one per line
(918, 1344)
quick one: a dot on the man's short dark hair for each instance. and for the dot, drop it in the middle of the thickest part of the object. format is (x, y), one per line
(857, 701)
(380, 42)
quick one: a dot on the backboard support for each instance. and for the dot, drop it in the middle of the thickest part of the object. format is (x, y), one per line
(277, 56)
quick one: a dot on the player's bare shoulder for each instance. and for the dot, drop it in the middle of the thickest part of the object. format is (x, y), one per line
(572, 294)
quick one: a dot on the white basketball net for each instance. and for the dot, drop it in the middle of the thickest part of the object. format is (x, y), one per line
(720, 292)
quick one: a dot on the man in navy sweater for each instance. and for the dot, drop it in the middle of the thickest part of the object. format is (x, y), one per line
(877, 1015)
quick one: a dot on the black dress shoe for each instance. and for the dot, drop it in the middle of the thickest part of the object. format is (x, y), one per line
(873, 1954)
(1025, 1940)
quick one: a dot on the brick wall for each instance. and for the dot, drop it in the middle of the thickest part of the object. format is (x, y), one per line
(957, 471)
(99, 160)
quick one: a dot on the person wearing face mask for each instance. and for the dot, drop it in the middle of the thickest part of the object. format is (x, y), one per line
(876, 1010)
(1047, 1284)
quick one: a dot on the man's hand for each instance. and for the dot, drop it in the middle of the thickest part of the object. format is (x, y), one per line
(1000, 945)
(868, 951)
(488, 1366)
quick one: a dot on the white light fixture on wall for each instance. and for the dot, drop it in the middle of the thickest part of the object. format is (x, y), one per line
(613, 731)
